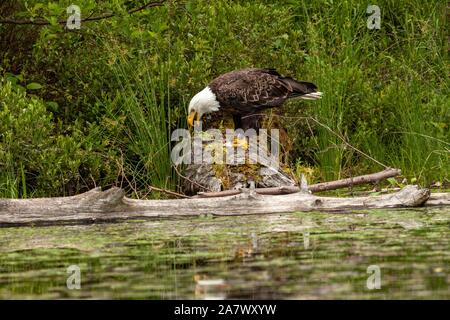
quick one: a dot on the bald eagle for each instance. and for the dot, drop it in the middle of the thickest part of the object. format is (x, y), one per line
(245, 93)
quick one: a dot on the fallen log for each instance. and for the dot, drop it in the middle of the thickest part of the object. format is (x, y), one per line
(324, 186)
(368, 178)
(439, 199)
(112, 205)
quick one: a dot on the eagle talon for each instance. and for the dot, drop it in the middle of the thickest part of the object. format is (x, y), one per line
(240, 143)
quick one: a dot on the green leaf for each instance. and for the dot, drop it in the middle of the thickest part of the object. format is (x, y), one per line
(34, 86)
(52, 106)
(392, 181)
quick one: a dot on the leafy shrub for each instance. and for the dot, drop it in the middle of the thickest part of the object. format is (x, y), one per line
(35, 160)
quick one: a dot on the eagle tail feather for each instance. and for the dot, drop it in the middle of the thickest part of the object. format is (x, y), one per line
(312, 96)
(302, 89)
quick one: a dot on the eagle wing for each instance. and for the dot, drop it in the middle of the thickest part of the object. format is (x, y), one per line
(248, 90)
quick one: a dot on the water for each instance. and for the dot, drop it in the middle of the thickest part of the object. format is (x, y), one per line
(289, 256)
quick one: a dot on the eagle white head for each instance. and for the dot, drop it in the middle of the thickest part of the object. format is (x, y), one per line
(203, 102)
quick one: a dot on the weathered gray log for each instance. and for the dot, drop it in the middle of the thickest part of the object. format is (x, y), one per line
(112, 205)
(439, 199)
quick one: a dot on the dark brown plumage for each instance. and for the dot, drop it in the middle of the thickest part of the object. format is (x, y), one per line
(245, 93)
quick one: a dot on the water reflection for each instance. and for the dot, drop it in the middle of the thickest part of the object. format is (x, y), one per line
(292, 256)
(209, 289)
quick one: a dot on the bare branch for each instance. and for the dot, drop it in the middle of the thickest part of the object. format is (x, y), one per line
(191, 181)
(179, 195)
(324, 186)
(42, 22)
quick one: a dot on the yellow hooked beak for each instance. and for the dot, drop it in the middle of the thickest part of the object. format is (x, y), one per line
(191, 117)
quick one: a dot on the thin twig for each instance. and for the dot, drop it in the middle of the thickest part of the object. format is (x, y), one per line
(131, 186)
(170, 192)
(422, 135)
(334, 133)
(191, 181)
(348, 144)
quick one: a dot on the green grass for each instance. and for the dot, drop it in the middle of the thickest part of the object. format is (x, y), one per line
(145, 103)
(385, 91)
(114, 91)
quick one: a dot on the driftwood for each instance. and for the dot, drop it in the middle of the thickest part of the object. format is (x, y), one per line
(439, 199)
(324, 186)
(112, 205)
